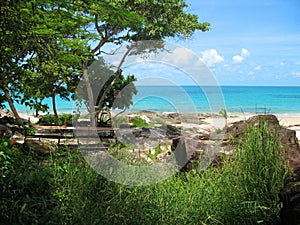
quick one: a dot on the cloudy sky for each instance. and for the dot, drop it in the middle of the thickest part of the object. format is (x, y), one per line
(251, 42)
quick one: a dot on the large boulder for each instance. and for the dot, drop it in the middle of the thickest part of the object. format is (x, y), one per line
(209, 146)
(188, 150)
(41, 147)
(290, 197)
(288, 139)
(237, 128)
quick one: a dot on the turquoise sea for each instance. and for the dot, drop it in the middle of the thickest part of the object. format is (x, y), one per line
(252, 99)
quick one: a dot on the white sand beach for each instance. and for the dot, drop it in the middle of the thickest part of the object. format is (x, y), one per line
(290, 121)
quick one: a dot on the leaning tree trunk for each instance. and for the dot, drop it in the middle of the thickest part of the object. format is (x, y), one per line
(118, 74)
(90, 95)
(12, 106)
(54, 108)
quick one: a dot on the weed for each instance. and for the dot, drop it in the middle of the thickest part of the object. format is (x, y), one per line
(139, 122)
(63, 189)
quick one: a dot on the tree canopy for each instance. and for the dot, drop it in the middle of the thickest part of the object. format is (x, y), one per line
(52, 43)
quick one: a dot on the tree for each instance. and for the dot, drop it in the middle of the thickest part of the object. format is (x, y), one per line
(62, 35)
(100, 77)
(156, 20)
(13, 50)
(59, 77)
(30, 30)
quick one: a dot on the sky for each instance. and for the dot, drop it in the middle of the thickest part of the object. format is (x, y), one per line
(251, 42)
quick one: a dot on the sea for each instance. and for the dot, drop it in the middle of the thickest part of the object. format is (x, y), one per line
(206, 99)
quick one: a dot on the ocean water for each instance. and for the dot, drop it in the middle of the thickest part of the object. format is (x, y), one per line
(241, 99)
(252, 99)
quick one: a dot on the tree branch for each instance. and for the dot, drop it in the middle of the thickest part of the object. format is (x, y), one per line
(98, 28)
(118, 74)
(104, 38)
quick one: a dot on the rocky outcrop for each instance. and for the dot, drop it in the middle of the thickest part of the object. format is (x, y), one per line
(209, 146)
(290, 197)
(287, 138)
(40, 147)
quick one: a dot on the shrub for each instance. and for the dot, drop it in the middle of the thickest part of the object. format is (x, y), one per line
(139, 122)
(63, 189)
(25, 191)
(51, 120)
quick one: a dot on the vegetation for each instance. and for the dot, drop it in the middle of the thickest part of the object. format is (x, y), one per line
(63, 119)
(223, 113)
(55, 42)
(51, 41)
(62, 189)
(139, 122)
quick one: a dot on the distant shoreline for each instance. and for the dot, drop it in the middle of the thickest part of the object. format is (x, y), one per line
(289, 120)
(188, 98)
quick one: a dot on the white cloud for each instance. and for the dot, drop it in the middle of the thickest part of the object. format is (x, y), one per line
(211, 57)
(296, 74)
(298, 62)
(182, 56)
(250, 73)
(257, 68)
(282, 63)
(244, 53)
(237, 58)
(240, 58)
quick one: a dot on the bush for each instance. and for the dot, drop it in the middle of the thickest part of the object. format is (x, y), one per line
(25, 191)
(51, 120)
(139, 122)
(6, 152)
(63, 189)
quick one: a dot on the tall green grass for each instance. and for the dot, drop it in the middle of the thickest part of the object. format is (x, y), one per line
(243, 191)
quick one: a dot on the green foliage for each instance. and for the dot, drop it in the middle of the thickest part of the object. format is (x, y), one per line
(157, 151)
(257, 171)
(63, 189)
(6, 152)
(100, 77)
(139, 122)
(34, 47)
(63, 119)
(223, 112)
(51, 41)
(24, 189)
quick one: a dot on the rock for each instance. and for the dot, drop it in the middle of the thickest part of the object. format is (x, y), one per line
(40, 147)
(188, 151)
(145, 118)
(162, 156)
(271, 119)
(5, 131)
(237, 128)
(210, 146)
(172, 131)
(142, 132)
(18, 137)
(290, 197)
(287, 138)
(290, 144)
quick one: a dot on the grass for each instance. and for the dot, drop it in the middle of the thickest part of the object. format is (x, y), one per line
(62, 189)
(139, 122)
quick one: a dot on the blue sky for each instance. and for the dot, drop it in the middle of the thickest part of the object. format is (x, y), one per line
(251, 42)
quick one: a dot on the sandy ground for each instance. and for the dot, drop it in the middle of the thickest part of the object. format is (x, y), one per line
(291, 121)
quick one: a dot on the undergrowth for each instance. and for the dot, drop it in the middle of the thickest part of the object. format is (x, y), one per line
(62, 189)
